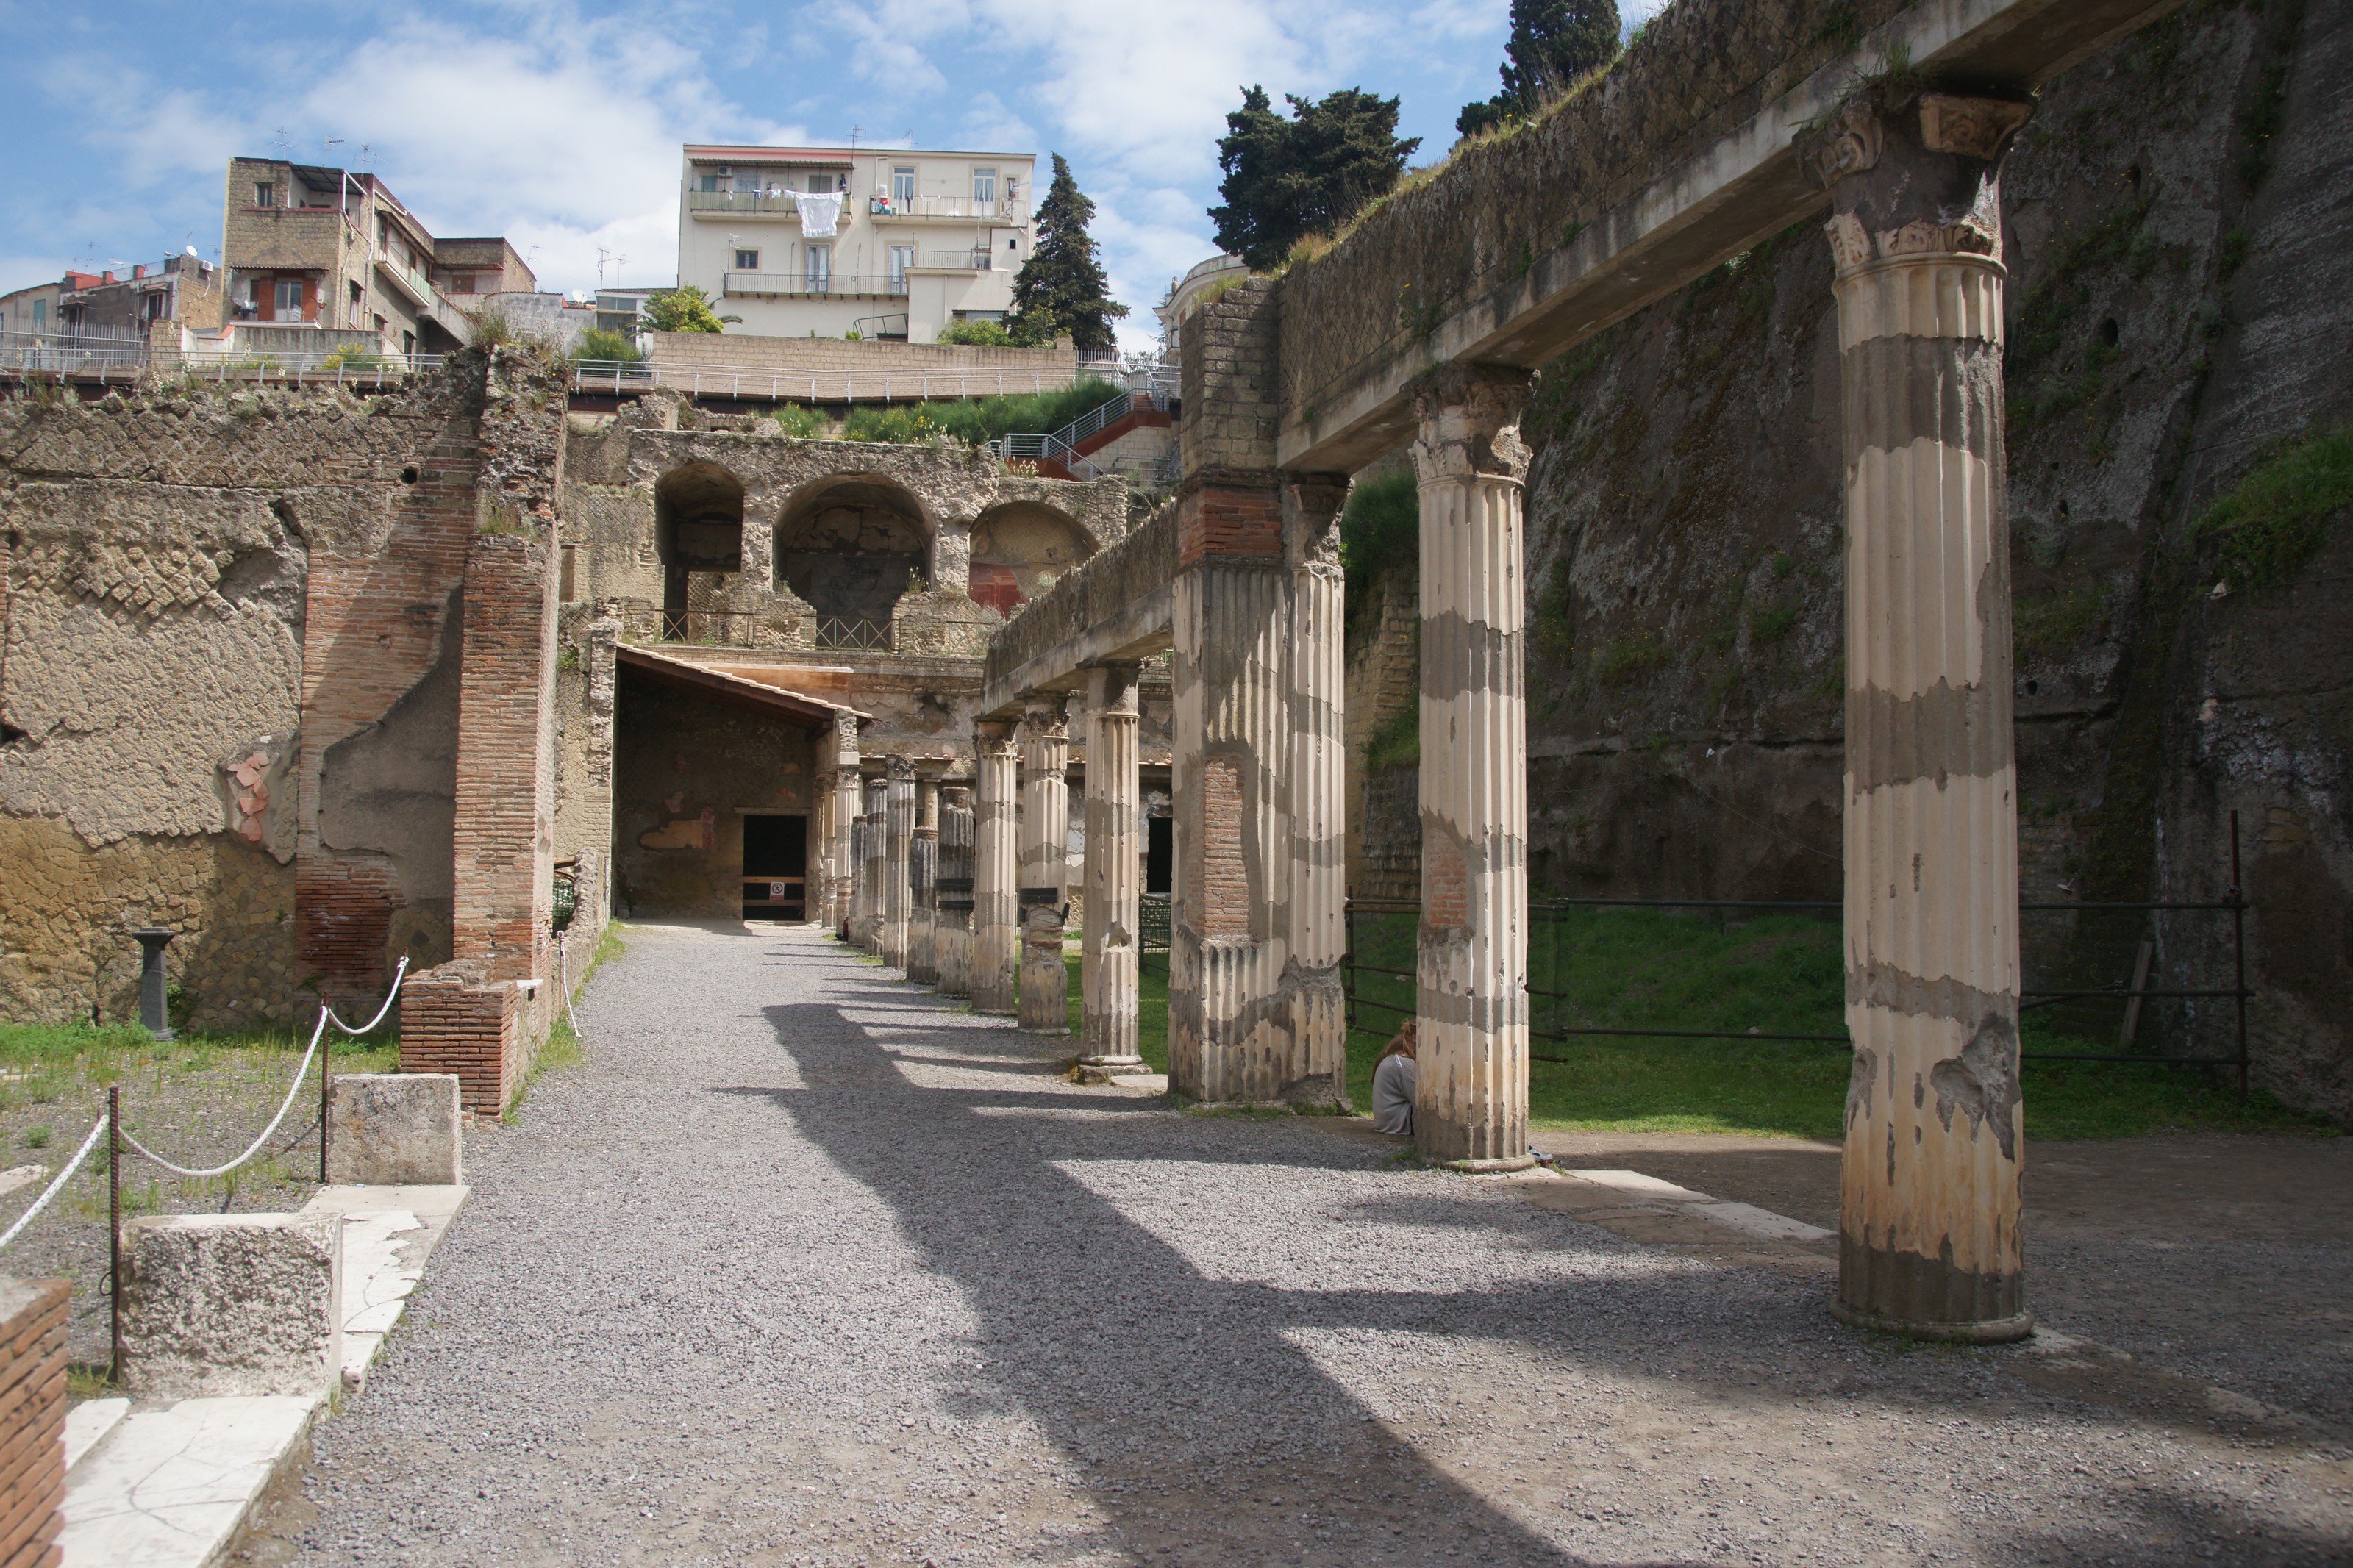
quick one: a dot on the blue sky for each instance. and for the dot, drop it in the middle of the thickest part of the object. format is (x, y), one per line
(558, 123)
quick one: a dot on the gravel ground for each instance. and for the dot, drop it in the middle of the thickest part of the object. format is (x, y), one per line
(805, 1267)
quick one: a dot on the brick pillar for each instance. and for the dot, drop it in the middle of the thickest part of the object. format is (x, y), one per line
(1318, 780)
(1045, 858)
(923, 878)
(1929, 1241)
(954, 927)
(1109, 978)
(505, 831)
(32, 1420)
(1471, 1102)
(996, 929)
(898, 848)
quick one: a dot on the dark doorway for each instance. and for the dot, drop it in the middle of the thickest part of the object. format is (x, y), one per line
(1159, 853)
(776, 860)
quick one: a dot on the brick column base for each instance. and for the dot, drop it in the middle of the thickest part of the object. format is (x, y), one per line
(453, 1021)
(32, 1420)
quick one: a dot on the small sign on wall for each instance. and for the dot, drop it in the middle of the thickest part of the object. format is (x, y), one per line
(776, 889)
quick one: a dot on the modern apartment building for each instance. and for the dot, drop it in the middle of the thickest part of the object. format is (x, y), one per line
(828, 240)
(107, 304)
(309, 246)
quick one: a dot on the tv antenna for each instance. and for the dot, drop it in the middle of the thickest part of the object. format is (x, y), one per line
(283, 143)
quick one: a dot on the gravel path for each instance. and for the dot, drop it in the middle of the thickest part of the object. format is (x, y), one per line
(804, 1266)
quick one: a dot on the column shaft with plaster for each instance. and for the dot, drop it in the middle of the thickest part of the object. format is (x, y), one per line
(1317, 777)
(1471, 1104)
(876, 852)
(898, 885)
(954, 888)
(922, 876)
(848, 800)
(1929, 1204)
(1045, 864)
(1109, 974)
(996, 929)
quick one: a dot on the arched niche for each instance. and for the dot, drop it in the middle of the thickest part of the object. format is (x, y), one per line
(1021, 549)
(850, 545)
(698, 527)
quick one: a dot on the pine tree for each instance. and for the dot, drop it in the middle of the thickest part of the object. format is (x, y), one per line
(1553, 43)
(1307, 175)
(1062, 288)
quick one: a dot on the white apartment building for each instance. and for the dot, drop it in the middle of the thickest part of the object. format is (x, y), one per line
(890, 244)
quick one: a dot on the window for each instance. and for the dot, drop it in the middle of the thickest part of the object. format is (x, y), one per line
(265, 196)
(150, 306)
(817, 268)
(747, 184)
(903, 183)
(40, 314)
(748, 261)
(984, 185)
(462, 282)
(287, 299)
(902, 258)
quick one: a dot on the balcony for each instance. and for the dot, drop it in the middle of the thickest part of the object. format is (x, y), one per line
(850, 284)
(976, 261)
(408, 280)
(946, 209)
(748, 203)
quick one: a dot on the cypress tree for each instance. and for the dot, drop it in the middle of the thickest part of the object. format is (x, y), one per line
(1553, 43)
(1061, 286)
(1307, 175)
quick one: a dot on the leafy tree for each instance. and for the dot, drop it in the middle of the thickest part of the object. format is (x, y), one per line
(685, 309)
(982, 334)
(1553, 43)
(596, 343)
(1286, 179)
(1062, 288)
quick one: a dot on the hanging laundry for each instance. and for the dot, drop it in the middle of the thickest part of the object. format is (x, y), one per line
(820, 213)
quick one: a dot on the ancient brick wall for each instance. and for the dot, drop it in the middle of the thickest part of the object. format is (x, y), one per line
(32, 1420)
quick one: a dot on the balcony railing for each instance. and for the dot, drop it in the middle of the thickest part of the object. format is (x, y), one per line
(850, 283)
(978, 260)
(108, 358)
(998, 209)
(781, 384)
(748, 203)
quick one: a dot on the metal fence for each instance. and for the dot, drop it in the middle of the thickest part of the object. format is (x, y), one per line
(843, 632)
(88, 355)
(786, 384)
(710, 629)
(2128, 991)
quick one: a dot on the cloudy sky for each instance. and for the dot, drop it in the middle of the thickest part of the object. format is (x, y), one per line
(558, 123)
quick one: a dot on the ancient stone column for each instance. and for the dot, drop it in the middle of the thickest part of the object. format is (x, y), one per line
(953, 926)
(1470, 1103)
(1045, 862)
(846, 802)
(1109, 977)
(1317, 781)
(870, 868)
(1928, 1237)
(922, 875)
(898, 887)
(997, 928)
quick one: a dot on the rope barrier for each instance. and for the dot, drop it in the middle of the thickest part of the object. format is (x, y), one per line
(326, 1016)
(564, 986)
(51, 1190)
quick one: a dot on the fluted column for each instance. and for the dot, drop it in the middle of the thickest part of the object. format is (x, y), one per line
(953, 927)
(922, 875)
(898, 885)
(1318, 788)
(1108, 973)
(996, 929)
(1045, 863)
(848, 801)
(1928, 1215)
(1470, 1103)
(871, 858)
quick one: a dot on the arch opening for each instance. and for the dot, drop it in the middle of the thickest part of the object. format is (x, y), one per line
(850, 548)
(1020, 550)
(699, 539)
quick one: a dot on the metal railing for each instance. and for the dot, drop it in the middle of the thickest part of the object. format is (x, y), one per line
(126, 359)
(710, 629)
(1062, 446)
(997, 209)
(793, 384)
(2131, 993)
(890, 326)
(849, 633)
(979, 259)
(737, 284)
(753, 204)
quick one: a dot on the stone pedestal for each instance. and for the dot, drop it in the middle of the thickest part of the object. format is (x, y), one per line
(232, 1304)
(1929, 1203)
(898, 843)
(997, 931)
(1471, 1104)
(1108, 973)
(1045, 1000)
(395, 1130)
(922, 876)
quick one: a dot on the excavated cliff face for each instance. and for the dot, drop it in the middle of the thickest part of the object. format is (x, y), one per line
(2181, 244)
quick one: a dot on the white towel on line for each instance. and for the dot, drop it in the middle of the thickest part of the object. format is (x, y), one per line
(820, 213)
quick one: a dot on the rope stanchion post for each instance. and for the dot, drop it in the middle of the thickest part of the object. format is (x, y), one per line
(114, 1232)
(326, 1077)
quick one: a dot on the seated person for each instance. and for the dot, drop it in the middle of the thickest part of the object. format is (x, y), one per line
(1393, 1077)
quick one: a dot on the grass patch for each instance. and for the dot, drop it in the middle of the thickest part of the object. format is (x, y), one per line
(1152, 1010)
(1780, 974)
(973, 420)
(1397, 743)
(2278, 517)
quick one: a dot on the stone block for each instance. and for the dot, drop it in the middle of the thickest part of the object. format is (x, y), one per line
(389, 1130)
(232, 1304)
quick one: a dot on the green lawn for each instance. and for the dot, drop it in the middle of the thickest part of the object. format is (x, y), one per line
(1777, 975)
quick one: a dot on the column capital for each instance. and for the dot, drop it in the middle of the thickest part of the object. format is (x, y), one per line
(901, 768)
(956, 795)
(1112, 685)
(1311, 518)
(994, 738)
(1046, 714)
(1470, 422)
(1912, 174)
